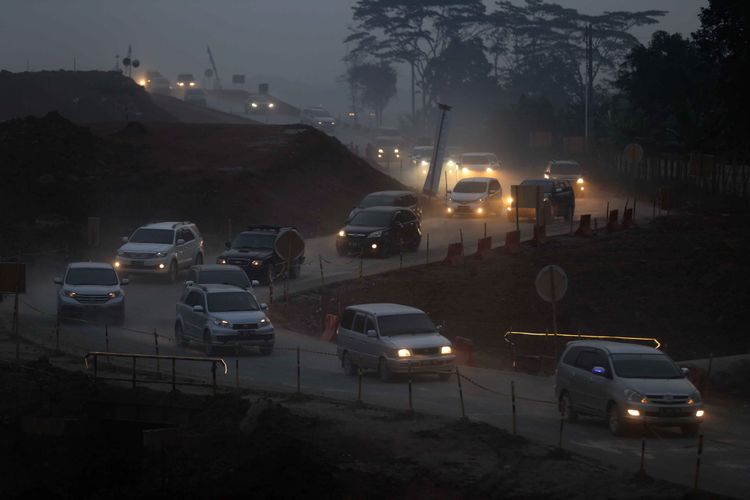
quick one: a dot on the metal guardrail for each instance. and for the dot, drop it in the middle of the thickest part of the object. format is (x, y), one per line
(134, 356)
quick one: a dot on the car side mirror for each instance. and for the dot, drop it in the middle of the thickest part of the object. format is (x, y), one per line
(124, 239)
(228, 244)
(264, 307)
(58, 281)
(180, 241)
(189, 283)
(198, 309)
(599, 370)
(255, 283)
(372, 334)
(124, 282)
(685, 370)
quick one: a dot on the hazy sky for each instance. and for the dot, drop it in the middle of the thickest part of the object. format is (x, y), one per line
(299, 41)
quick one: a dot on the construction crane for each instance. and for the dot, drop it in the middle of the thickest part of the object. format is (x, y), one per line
(213, 70)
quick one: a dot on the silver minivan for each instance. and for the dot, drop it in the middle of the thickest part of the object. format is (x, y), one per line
(392, 339)
(629, 384)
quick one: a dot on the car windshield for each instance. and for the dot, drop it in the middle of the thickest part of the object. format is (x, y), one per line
(161, 236)
(371, 218)
(566, 168)
(405, 324)
(547, 185)
(91, 276)
(253, 240)
(377, 201)
(235, 277)
(656, 366)
(470, 187)
(475, 159)
(232, 301)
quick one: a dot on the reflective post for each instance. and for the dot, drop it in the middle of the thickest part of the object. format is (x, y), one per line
(359, 385)
(513, 403)
(427, 258)
(299, 384)
(461, 394)
(698, 462)
(156, 350)
(411, 406)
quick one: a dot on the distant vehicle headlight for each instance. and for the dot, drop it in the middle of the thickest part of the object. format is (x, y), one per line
(403, 353)
(117, 264)
(509, 200)
(180, 84)
(221, 261)
(256, 263)
(395, 150)
(69, 293)
(465, 170)
(320, 123)
(425, 163)
(380, 150)
(342, 233)
(142, 82)
(255, 104)
(271, 105)
(451, 163)
(488, 170)
(446, 349)
(580, 180)
(480, 210)
(114, 295)
(192, 84)
(546, 176)
(222, 322)
(333, 123)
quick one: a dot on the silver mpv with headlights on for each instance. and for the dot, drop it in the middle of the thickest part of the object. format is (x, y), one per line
(629, 384)
(392, 339)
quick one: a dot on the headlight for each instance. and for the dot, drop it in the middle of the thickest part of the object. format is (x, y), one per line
(509, 200)
(546, 176)
(465, 170)
(254, 105)
(451, 163)
(142, 82)
(424, 171)
(256, 263)
(580, 180)
(376, 234)
(425, 163)
(180, 84)
(271, 105)
(446, 349)
(449, 210)
(380, 150)
(320, 123)
(161, 254)
(117, 264)
(488, 170)
(69, 293)
(264, 321)
(634, 413)
(192, 84)
(342, 233)
(695, 398)
(480, 210)
(222, 322)
(404, 353)
(221, 261)
(395, 150)
(699, 413)
(635, 396)
(374, 246)
(113, 295)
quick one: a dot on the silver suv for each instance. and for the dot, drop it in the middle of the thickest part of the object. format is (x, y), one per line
(629, 384)
(162, 248)
(91, 288)
(222, 315)
(392, 339)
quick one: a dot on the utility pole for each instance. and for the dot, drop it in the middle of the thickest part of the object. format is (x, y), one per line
(413, 95)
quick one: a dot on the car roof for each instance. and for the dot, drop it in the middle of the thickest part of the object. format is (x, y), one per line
(383, 209)
(219, 288)
(480, 153)
(165, 225)
(539, 182)
(217, 267)
(385, 309)
(390, 193)
(616, 347)
(476, 179)
(90, 265)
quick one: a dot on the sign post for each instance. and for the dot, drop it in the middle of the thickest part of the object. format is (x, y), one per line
(551, 285)
(13, 280)
(432, 181)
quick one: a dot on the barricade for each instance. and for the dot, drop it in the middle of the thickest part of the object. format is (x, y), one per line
(464, 351)
(329, 331)
(540, 235)
(613, 223)
(584, 227)
(513, 242)
(627, 219)
(455, 256)
(484, 248)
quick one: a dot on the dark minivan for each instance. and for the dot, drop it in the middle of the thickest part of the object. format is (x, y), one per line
(379, 231)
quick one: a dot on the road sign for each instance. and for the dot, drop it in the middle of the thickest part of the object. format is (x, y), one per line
(551, 283)
(434, 172)
(12, 277)
(290, 245)
(634, 152)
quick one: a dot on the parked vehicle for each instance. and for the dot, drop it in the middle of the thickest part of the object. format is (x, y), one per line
(379, 231)
(392, 339)
(479, 163)
(318, 117)
(405, 199)
(568, 171)
(475, 196)
(196, 96)
(91, 289)
(255, 252)
(217, 274)
(628, 384)
(161, 248)
(222, 315)
(558, 200)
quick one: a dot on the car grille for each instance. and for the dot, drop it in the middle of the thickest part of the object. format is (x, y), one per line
(139, 255)
(667, 399)
(463, 209)
(427, 351)
(246, 336)
(92, 299)
(356, 235)
(239, 262)
(245, 326)
(671, 413)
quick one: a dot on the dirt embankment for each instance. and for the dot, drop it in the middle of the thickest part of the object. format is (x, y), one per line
(682, 280)
(58, 443)
(56, 174)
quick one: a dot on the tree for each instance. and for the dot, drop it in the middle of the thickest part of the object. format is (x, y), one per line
(461, 68)
(375, 83)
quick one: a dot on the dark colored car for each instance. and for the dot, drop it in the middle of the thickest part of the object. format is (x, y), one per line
(254, 251)
(404, 199)
(559, 199)
(379, 231)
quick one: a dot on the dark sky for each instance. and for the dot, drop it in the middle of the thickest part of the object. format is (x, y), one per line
(295, 44)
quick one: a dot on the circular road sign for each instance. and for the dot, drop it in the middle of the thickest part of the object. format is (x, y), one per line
(551, 279)
(289, 245)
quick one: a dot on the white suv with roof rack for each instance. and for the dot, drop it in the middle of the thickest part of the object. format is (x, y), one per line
(161, 248)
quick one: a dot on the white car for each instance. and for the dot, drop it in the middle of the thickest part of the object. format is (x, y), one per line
(91, 289)
(161, 248)
(318, 117)
(479, 163)
(476, 196)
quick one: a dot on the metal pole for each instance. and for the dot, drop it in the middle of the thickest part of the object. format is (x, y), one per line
(322, 278)
(698, 462)
(554, 305)
(359, 385)
(461, 394)
(156, 349)
(428, 249)
(643, 457)
(485, 229)
(513, 403)
(299, 388)
(213, 375)
(411, 406)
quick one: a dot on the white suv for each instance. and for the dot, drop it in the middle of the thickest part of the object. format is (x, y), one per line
(162, 248)
(89, 289)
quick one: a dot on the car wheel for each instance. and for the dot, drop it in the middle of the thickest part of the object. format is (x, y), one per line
(207, 346)
(383, 371)
(179, 335)
(349, 367)
(690, 430)
(566, 408)
(199, 259)
(266, 351)
(172, 272)
(615, 421)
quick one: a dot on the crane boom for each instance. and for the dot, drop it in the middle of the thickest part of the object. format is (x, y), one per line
(217, 80)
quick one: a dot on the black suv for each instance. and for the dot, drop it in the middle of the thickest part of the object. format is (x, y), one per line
(559, 199)
(254, 250)
(380, 231)
(404, 199)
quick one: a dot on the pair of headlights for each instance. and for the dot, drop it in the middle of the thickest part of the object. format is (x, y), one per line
(406, 353)
(228, 324)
